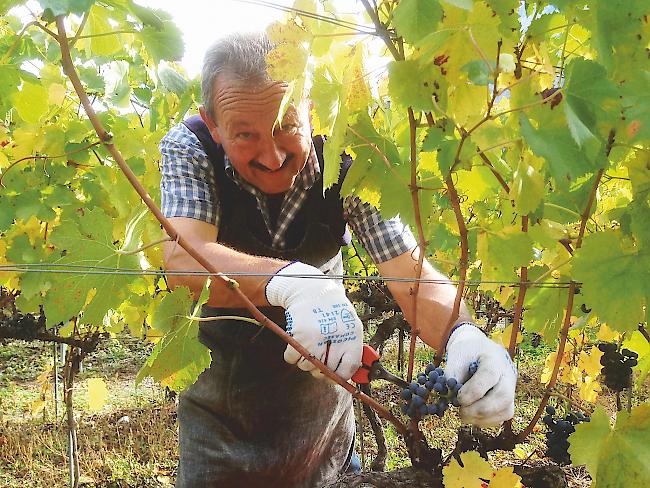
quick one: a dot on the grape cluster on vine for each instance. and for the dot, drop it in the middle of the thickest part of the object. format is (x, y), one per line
(559, 430)
(617, 366)
(433, 392)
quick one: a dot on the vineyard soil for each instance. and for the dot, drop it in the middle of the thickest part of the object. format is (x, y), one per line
(132, 442)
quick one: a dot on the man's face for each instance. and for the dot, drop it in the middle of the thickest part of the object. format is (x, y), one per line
(267, 155)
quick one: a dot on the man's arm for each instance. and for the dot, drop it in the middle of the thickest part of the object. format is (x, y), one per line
(202, 236)
(435, 300)
(487, 398)
(319, 315)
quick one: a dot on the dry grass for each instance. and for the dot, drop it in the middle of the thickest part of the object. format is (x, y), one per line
(140, 452)
(143, 451)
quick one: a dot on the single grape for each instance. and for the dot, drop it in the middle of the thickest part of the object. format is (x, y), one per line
(455, 402)
(423, 392)
(451, 383)
(439, 387)
(430, 367)
(433, 376)
(423, 410)
(414, 387)
(439, 371)
(406, 394)
(429, 385)
(422, 379)
(417, 401)
(405, 408)
(432, 409)
(443, 404)
(550, 410)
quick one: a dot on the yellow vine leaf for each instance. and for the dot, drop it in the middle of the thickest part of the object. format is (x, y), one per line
(606, 334)
(503, 336)
(590, 362)
(97, 394)
(469, 476)
(505, 478)
(56, 94)
(588, 389)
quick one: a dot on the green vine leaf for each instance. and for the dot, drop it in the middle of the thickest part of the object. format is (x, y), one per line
(615, 280)
(65, 7)
(415, 19)
(615, 457)
(179, 358)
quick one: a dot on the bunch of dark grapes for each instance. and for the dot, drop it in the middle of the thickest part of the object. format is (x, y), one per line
(557, 435)
(617, 366)
(432, 393)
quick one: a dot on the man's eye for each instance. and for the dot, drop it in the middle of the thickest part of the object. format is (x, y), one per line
(244, 135)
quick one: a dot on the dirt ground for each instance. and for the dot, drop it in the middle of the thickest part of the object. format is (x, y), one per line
(132, 441)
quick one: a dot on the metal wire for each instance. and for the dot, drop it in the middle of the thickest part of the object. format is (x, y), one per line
(105, 270)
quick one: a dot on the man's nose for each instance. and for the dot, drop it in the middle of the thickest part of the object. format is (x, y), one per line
(271, 155)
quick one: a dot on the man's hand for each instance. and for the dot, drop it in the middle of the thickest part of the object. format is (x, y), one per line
(320, 317)
(488, 397)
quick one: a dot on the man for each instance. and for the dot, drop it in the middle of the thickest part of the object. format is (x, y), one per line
(248, 194)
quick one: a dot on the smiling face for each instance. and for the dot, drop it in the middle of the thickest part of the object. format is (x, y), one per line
(265, 154)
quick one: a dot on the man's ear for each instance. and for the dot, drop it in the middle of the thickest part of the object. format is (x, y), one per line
(212, 127)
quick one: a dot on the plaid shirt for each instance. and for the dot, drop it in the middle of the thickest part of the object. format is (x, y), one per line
(188, 189)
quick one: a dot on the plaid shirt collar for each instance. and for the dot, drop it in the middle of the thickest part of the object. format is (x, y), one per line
(293, 199)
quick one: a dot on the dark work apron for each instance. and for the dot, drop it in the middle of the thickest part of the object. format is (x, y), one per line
(252, 420)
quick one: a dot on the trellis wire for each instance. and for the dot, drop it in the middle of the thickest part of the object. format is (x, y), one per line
(105, 270)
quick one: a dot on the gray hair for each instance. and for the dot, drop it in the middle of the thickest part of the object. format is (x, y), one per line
(242, 55)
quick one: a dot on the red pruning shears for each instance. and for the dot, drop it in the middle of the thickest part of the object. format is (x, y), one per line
(371, 369)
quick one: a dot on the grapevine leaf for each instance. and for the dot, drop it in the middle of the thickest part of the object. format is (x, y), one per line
(527, 189)
(172, 80)
(566, 161)
(31, 102)
(179, 358)
(97, 26)
(65, 7)
(614, 280)
(407, 87)
(97, 394)
(589, 97)
(544, 311)
(501, 252)
(469, 474)
(615, 457)
(6, 5)
(479, 73)
(118, 90)
(164, 43)
(134, 231)
(505, 478)
(148, 16)
(326, 94)
(638, 343)
(464, 4)
(414, 19)
(615, 23)
(89, 241)
(636, 106)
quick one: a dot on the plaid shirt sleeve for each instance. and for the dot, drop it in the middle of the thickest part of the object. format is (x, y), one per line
(187, 186)
(382, 239)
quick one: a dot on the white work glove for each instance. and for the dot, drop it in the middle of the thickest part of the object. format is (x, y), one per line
(318, 313)
(488, 397)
